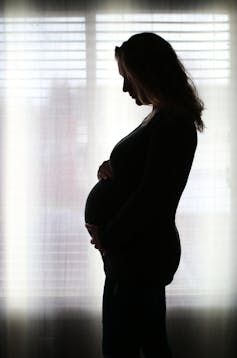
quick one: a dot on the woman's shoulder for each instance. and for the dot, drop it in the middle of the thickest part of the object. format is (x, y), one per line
(173, 126)
(173, 118)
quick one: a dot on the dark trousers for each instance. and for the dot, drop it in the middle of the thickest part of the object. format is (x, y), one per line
(134, 319)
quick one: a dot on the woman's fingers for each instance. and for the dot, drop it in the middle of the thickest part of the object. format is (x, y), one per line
(105, 170)
(91, 227)
(93, 231)
(96, 243)
(93, 241)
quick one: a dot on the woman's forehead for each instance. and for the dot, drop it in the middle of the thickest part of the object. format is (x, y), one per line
(122, 69)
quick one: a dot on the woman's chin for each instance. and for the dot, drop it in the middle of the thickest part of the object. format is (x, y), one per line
(139, 103)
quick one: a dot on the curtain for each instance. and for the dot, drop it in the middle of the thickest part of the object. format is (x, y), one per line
(62, 111)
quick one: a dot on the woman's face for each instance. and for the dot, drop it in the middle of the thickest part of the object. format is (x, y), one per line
(130, 86)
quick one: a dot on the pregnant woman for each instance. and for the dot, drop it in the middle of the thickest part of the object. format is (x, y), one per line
(130, 213)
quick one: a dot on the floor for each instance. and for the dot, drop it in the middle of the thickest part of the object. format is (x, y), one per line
(193, 333)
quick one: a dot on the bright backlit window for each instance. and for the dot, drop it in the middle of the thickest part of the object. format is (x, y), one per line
(63, 110)
(201, 41)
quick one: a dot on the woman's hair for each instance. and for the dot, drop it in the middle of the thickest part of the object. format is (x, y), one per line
(155, 68)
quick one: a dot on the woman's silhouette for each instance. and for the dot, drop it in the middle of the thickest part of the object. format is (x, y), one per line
(130, 213)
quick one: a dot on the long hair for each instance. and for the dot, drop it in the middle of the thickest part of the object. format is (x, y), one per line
(154, 66)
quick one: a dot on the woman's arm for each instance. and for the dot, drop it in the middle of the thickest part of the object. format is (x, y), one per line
(169, 158)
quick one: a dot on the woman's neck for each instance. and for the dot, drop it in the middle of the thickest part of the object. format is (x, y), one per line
(152, 114)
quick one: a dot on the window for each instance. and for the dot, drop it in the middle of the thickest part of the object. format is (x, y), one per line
(63, 111)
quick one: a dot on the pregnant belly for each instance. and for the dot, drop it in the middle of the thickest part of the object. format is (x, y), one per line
(102, 202)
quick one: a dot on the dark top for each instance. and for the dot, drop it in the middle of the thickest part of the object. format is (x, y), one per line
(135, 210)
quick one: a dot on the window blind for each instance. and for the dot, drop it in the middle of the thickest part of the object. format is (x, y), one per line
(200, 40)
(58, 127)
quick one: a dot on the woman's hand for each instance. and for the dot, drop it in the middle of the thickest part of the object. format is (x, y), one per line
(105, 171)
(93, 231)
